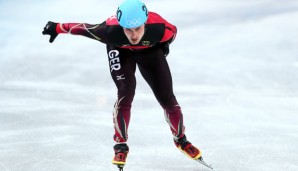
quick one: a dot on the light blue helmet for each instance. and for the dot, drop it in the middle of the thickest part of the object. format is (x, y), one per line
(132, 14)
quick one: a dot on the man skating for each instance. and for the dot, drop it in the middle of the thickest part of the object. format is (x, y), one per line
(135, 37)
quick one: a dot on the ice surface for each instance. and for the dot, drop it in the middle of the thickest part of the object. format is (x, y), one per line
(235, 72)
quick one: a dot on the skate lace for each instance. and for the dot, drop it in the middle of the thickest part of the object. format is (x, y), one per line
(120, 157)
(191, 150)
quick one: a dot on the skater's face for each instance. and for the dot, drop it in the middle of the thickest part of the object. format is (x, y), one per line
(134, 35)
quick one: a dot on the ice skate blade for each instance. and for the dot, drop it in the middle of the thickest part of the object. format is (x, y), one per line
(200, 160)
(120, 166)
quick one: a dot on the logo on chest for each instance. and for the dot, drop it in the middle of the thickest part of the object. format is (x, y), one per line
(145, 43)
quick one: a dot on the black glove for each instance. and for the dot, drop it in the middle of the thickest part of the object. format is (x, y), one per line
(50, 29)
(165, 47)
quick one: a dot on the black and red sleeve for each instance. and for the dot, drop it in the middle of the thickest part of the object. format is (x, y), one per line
(170, 33)
(170, 30)
(93, 31)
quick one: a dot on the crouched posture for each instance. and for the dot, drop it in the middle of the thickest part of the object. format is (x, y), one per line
(135, 37)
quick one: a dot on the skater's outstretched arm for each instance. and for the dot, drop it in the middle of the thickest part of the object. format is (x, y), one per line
(93, 31)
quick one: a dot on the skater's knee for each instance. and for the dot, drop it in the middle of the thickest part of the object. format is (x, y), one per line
(169, 104)
(126, 90)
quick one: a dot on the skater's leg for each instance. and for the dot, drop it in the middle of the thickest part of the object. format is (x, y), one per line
(155, 70)
(157, 73)
(122, 67)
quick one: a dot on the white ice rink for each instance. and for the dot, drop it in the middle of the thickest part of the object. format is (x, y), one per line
(235, 70)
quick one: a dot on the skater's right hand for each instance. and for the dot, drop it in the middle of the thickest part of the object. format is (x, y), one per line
(165, 47)
(50, 29)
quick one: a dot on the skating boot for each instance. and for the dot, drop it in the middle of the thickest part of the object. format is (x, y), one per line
(121, 151)
(187, 148)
